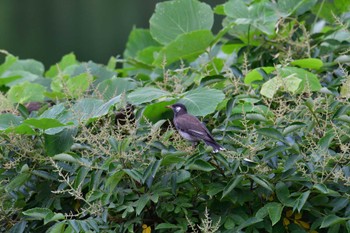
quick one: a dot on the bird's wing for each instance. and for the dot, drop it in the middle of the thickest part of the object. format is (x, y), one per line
(191, 125)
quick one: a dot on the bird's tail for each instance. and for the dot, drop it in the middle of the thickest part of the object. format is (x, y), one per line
(216, 146)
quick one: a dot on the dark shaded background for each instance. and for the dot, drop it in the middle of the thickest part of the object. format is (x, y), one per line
(94, 30)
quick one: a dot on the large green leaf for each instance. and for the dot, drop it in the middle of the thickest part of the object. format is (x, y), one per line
(202, 101)
(290, 84)
(26, 92)
(114, 86)
(309, 82)
(59, 142)
(66, 61)
(139, 39)
(275, 211)
(185, 46)
(262, 16)
(174, 18)
(8, 120)
(146, 94)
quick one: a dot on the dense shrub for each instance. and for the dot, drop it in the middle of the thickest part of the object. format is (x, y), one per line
(90, 148)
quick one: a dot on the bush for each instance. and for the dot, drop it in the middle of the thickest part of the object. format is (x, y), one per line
(90, 148)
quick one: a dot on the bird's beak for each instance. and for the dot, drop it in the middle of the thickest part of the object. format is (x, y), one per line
(169, 106)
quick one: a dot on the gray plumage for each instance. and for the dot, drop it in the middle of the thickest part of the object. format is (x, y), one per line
(191, 128)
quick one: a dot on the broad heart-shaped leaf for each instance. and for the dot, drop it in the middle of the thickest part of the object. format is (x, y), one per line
(298, 7)
(29, 65)
(66, 61)
(311, 63)
(139, 39)
(146, 94)
(86, 108)
(262, 16)
(202, 101)
(114, 86)
(185, 46)
(255, 75)
(154, 112)
(309, 82)
(9, 61)
(290, 84)
(8, 120)
(26, 92)
(73, 86)
(43, 123)
(173, 18)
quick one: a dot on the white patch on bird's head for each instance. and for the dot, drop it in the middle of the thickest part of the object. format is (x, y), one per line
(177, 109)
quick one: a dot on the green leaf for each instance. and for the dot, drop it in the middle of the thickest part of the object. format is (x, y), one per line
(326, 140)
(38, 213)
(202, 101)
(146, 94)
(172, 157)
(331, 220)
(301, 200)
(309, 82)
(293, 127)
(60, 142)
(85, 109)
(201, 165)
(231, 185)
(114, 179)
(8, 120)
(9, 61)
(66, 61)
(29, 65)
(43, 123)
(174, 18)
(182, 176)
(185, 46)
(80, 177)
(26, 92)
(283, 194)
(322, 188)
(166, 226)
(275, 212)
(73, 87)
(18, 181)
(141, 203)
(57, 228)
(271, 133)
(290, 84)
(310, 63)
(261, 15)
(65, 158)
(139, 40)
(328, 9)
(114, 86)
(261, 182)
(255, 75)
(53, 217)
(135, 175)
(155, 112)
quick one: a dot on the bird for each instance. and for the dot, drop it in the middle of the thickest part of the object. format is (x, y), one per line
(191, 128)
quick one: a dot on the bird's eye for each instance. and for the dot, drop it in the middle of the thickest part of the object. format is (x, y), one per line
(177, 109)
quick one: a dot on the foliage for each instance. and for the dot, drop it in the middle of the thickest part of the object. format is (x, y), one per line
(89, 148)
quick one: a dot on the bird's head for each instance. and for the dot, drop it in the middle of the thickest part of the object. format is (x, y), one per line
(178, 109)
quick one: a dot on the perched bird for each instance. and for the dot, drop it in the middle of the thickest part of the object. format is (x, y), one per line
(191, 128)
